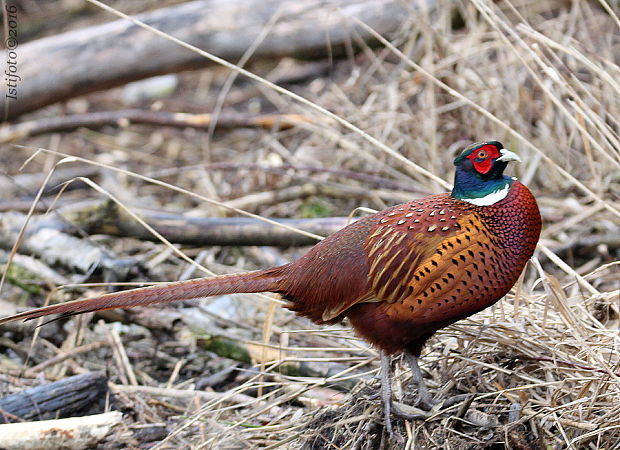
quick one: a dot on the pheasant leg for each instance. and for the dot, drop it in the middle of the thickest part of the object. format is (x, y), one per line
(425, 399)
(391, 407)
(386, 391)
(424, 402)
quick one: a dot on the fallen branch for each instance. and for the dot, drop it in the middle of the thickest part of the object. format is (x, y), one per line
(64, 356)
(74, 433)
(86, 60)
(587, 244)
(41, 207)
(10, 133)
(48, 238)
(62, 398)
(27, 184)
(107, 218)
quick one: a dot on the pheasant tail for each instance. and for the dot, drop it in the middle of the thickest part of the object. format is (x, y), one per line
(259, 281)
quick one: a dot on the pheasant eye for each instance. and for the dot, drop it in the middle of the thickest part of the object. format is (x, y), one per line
(482, 154)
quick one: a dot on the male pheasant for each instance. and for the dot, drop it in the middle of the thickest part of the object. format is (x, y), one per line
(399, 275)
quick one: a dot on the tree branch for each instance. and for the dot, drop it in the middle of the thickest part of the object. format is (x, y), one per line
(121, 118)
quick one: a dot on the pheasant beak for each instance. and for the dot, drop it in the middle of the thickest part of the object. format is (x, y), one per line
(507, 156)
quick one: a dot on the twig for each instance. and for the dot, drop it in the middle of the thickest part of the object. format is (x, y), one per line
(64, 356)
(180, 393)
(123, 118)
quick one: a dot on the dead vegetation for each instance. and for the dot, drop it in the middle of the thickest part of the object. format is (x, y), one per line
(241, 372)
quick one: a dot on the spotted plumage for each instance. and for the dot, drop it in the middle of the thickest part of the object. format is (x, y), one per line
(444, 266)
(399, 275)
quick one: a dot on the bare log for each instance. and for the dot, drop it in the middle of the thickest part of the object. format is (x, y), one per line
(108, 219)
(64, 398)
(81, 61)
(74, 433)
(48, 238)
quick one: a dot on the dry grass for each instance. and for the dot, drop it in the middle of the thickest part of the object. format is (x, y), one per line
(541, 77)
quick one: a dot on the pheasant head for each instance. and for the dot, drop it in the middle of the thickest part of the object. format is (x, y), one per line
(479, 177)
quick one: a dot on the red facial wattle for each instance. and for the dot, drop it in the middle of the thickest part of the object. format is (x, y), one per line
(482, 158)
(484, 165)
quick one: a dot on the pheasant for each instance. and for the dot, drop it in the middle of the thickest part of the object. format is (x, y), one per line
(398, 275)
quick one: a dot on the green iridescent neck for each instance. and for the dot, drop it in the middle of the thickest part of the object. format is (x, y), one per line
(472, 188)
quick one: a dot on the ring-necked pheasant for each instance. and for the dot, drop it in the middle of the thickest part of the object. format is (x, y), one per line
(399, 275)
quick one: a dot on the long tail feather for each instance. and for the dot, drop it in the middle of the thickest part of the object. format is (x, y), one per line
(261, 281)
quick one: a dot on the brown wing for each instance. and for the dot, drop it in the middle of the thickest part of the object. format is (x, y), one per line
(462, 277)
(403, 237)
(435, 265)
(406, 237)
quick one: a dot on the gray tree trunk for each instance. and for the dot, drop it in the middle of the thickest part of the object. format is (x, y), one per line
(82, 61)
